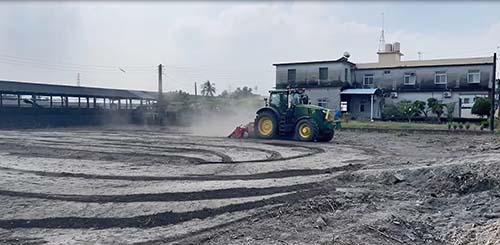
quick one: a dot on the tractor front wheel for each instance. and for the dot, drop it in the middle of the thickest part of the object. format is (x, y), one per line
(306, 130)
(326, 137)
(266, 125)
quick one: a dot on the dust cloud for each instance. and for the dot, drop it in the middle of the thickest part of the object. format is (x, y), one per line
(220, 123)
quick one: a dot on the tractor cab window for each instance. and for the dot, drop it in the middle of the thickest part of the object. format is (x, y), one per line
(296, 99)
(278, 100)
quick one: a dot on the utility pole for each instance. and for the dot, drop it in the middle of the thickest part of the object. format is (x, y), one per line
(492, 112)
(161, 108)
(160, 82)
(195, 89)
(78, 79)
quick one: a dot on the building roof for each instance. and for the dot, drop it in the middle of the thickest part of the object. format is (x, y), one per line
(341, 60)
(434, 62)
(368, 91)
(76, 91)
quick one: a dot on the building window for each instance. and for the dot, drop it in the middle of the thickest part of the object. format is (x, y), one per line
(292, 75)
(466, 101)
(474, 76)
(387, 72)
(323, 73)
(368, 79)
(323, 102)
(361, 107)
(409, 78)
(440, 77)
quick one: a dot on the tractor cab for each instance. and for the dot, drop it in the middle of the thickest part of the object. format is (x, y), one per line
(286, 99)
(288, 113)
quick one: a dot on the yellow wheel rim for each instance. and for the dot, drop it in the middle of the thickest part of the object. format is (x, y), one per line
(304, 130)
(265, 126)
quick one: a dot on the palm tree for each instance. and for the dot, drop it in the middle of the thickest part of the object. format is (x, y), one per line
(208, 88)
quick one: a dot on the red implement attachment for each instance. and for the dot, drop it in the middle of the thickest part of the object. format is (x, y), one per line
(242, 131)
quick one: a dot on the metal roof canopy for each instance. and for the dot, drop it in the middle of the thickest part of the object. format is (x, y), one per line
(365, 91)
(14, 87)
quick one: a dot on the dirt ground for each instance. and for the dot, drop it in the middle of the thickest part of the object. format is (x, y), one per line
(151, 186)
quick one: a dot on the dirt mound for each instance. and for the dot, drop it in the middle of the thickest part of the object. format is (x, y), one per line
(476, 235)
(461, 179)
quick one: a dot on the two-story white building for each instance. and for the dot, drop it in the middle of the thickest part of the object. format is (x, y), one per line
(367, 87)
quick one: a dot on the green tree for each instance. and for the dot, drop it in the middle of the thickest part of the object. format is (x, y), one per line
(391, 111)
(450, 109)
(420, 107)
(242, 92)
(436, 107)
(407, 109)
(208, 88)
(481, 107)
(224, 93)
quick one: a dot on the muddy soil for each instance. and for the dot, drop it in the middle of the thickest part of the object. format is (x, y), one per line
(145, 186)
(417, 189)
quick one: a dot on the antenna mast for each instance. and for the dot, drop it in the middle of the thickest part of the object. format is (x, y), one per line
(381, 44)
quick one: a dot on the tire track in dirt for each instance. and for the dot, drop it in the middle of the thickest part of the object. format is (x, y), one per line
(166, 196)
(225, 159)
(131, 146)
(147, 221)
(47, 152)
(267, 175)
(274, 155)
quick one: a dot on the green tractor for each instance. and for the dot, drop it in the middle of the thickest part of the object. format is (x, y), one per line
(289, 114)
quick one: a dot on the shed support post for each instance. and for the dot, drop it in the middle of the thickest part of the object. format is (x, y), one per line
(50, 98)
(95, 102)
(104, 103)
(126, 104)
(18, 100)
(130, 103)
(66, 101)
(371, 109)
(1, 100)
(141, 102)
(119, 104)
(88, 103)
(62, 101)
(78, 101)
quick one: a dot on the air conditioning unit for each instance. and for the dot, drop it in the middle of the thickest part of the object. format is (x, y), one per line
(447, 94)
(394, 95)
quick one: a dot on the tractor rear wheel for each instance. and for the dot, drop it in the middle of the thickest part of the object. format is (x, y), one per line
(266, 125)
(306, 130)
(326, 137)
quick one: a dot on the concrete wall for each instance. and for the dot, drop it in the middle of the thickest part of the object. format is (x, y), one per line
(308, 74)
(331, 95)
(457, 78)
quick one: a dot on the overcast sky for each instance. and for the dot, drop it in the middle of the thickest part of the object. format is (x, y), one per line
(232, 44)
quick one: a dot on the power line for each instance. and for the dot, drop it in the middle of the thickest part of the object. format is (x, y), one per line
(67, 69)
(68, 64)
